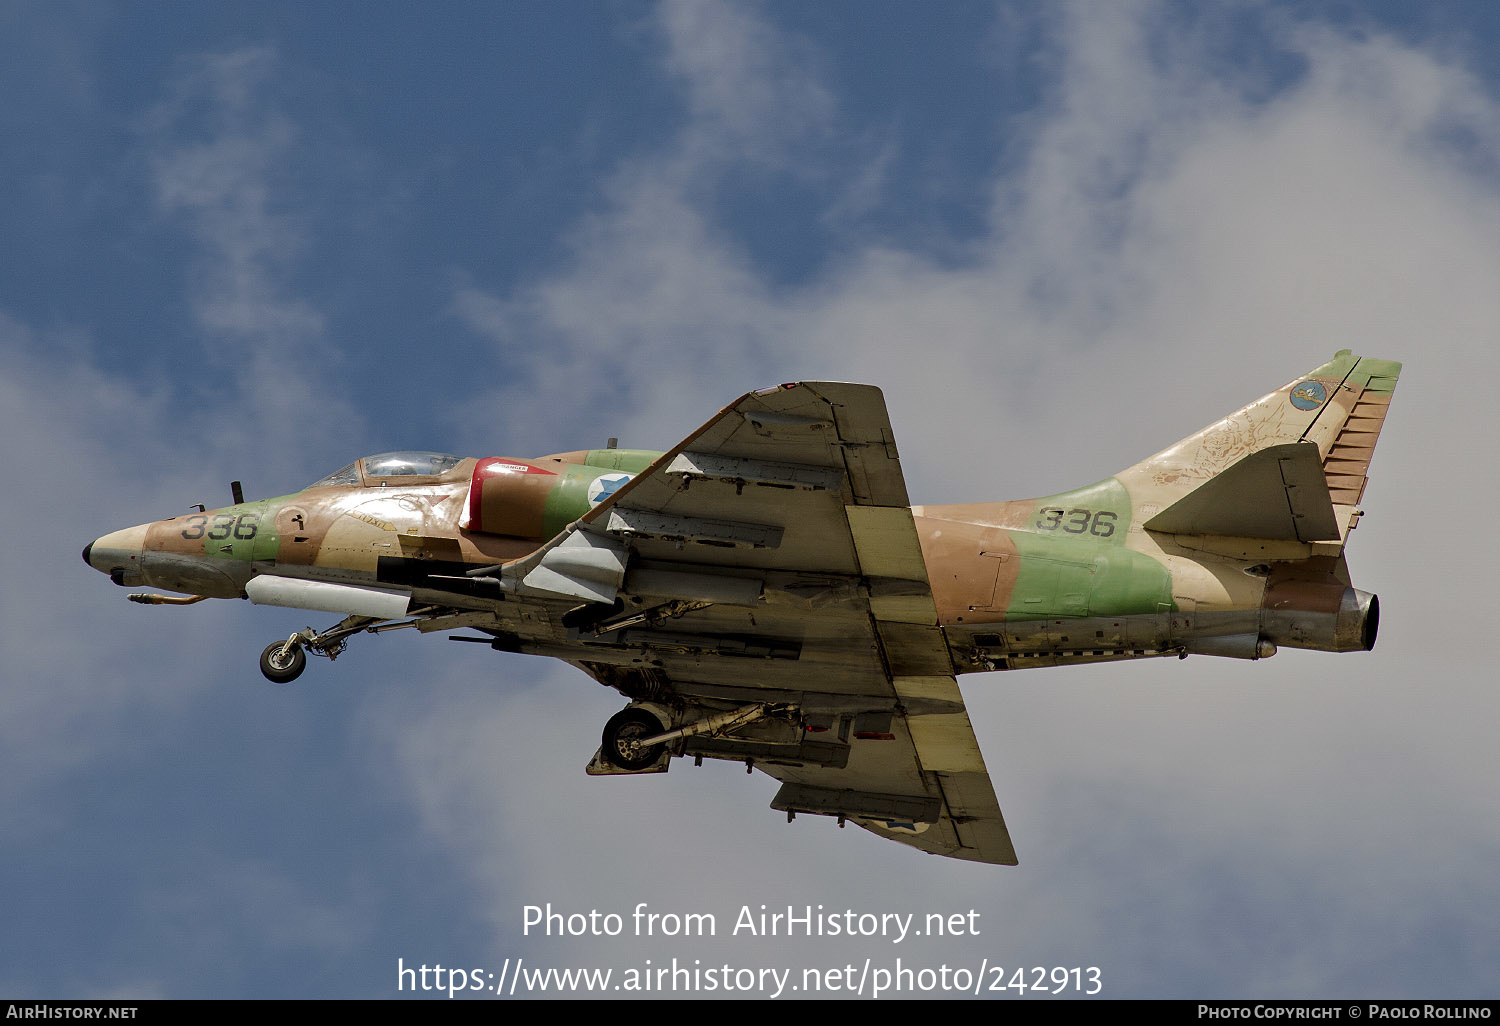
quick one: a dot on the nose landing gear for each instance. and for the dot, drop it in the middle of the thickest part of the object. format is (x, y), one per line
(283, 661)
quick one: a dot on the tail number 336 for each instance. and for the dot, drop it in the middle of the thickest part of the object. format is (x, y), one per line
(1099, 523)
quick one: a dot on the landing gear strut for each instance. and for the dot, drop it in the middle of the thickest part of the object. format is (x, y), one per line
(283, 661)
(634, 737)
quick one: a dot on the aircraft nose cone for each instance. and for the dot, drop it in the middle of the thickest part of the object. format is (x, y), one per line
(117, 552)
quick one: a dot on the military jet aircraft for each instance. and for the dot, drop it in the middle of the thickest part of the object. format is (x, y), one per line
(765, 593)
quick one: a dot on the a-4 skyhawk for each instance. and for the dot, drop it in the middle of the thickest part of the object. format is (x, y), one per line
(765, 593)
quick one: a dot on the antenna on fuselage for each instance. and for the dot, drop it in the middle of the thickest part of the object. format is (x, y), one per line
(613, 443)
(236, 491)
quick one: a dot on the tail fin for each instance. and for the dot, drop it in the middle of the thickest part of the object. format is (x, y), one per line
(1290, 467)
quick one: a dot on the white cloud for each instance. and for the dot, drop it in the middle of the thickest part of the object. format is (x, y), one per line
(1178, 242)
(753, 90)
(100, 694)
(223, 157)
(75, 436)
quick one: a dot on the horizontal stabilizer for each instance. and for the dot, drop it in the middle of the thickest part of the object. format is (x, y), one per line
(1279, 493)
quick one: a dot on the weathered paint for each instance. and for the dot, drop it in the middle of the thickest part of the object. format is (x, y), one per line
(569, 498)
(631, 461)
(770, 570)
(1017, 571)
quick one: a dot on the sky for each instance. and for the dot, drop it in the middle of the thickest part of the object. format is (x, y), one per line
(253, 242)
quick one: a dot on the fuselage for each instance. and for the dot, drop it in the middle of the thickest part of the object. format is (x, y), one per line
(764, 593)
(1067, 578)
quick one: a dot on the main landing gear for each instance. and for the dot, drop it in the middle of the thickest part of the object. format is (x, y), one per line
(621, 745)
(636, 737)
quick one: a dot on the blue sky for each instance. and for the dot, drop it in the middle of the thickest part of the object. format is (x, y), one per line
(256, 241)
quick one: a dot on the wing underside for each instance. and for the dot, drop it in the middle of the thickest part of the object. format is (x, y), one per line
(777, 547)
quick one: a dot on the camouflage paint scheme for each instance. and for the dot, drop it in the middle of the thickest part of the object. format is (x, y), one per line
(765, 593)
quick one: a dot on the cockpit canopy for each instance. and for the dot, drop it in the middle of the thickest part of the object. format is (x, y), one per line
(409, 464)
(392, 464)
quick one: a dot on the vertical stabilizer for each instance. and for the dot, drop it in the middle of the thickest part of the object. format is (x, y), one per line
(1290, 467)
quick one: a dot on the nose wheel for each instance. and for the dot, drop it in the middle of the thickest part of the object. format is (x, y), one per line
(283, 661)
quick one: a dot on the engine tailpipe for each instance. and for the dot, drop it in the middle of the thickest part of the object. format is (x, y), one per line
(1358, 622)
(1333, 620)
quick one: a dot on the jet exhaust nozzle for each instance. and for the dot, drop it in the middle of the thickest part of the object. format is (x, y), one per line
(1358, 621)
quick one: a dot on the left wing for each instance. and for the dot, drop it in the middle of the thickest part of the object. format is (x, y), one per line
(783, 526)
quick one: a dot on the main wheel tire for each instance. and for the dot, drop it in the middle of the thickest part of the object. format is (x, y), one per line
(279, 668)
(631, 724)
